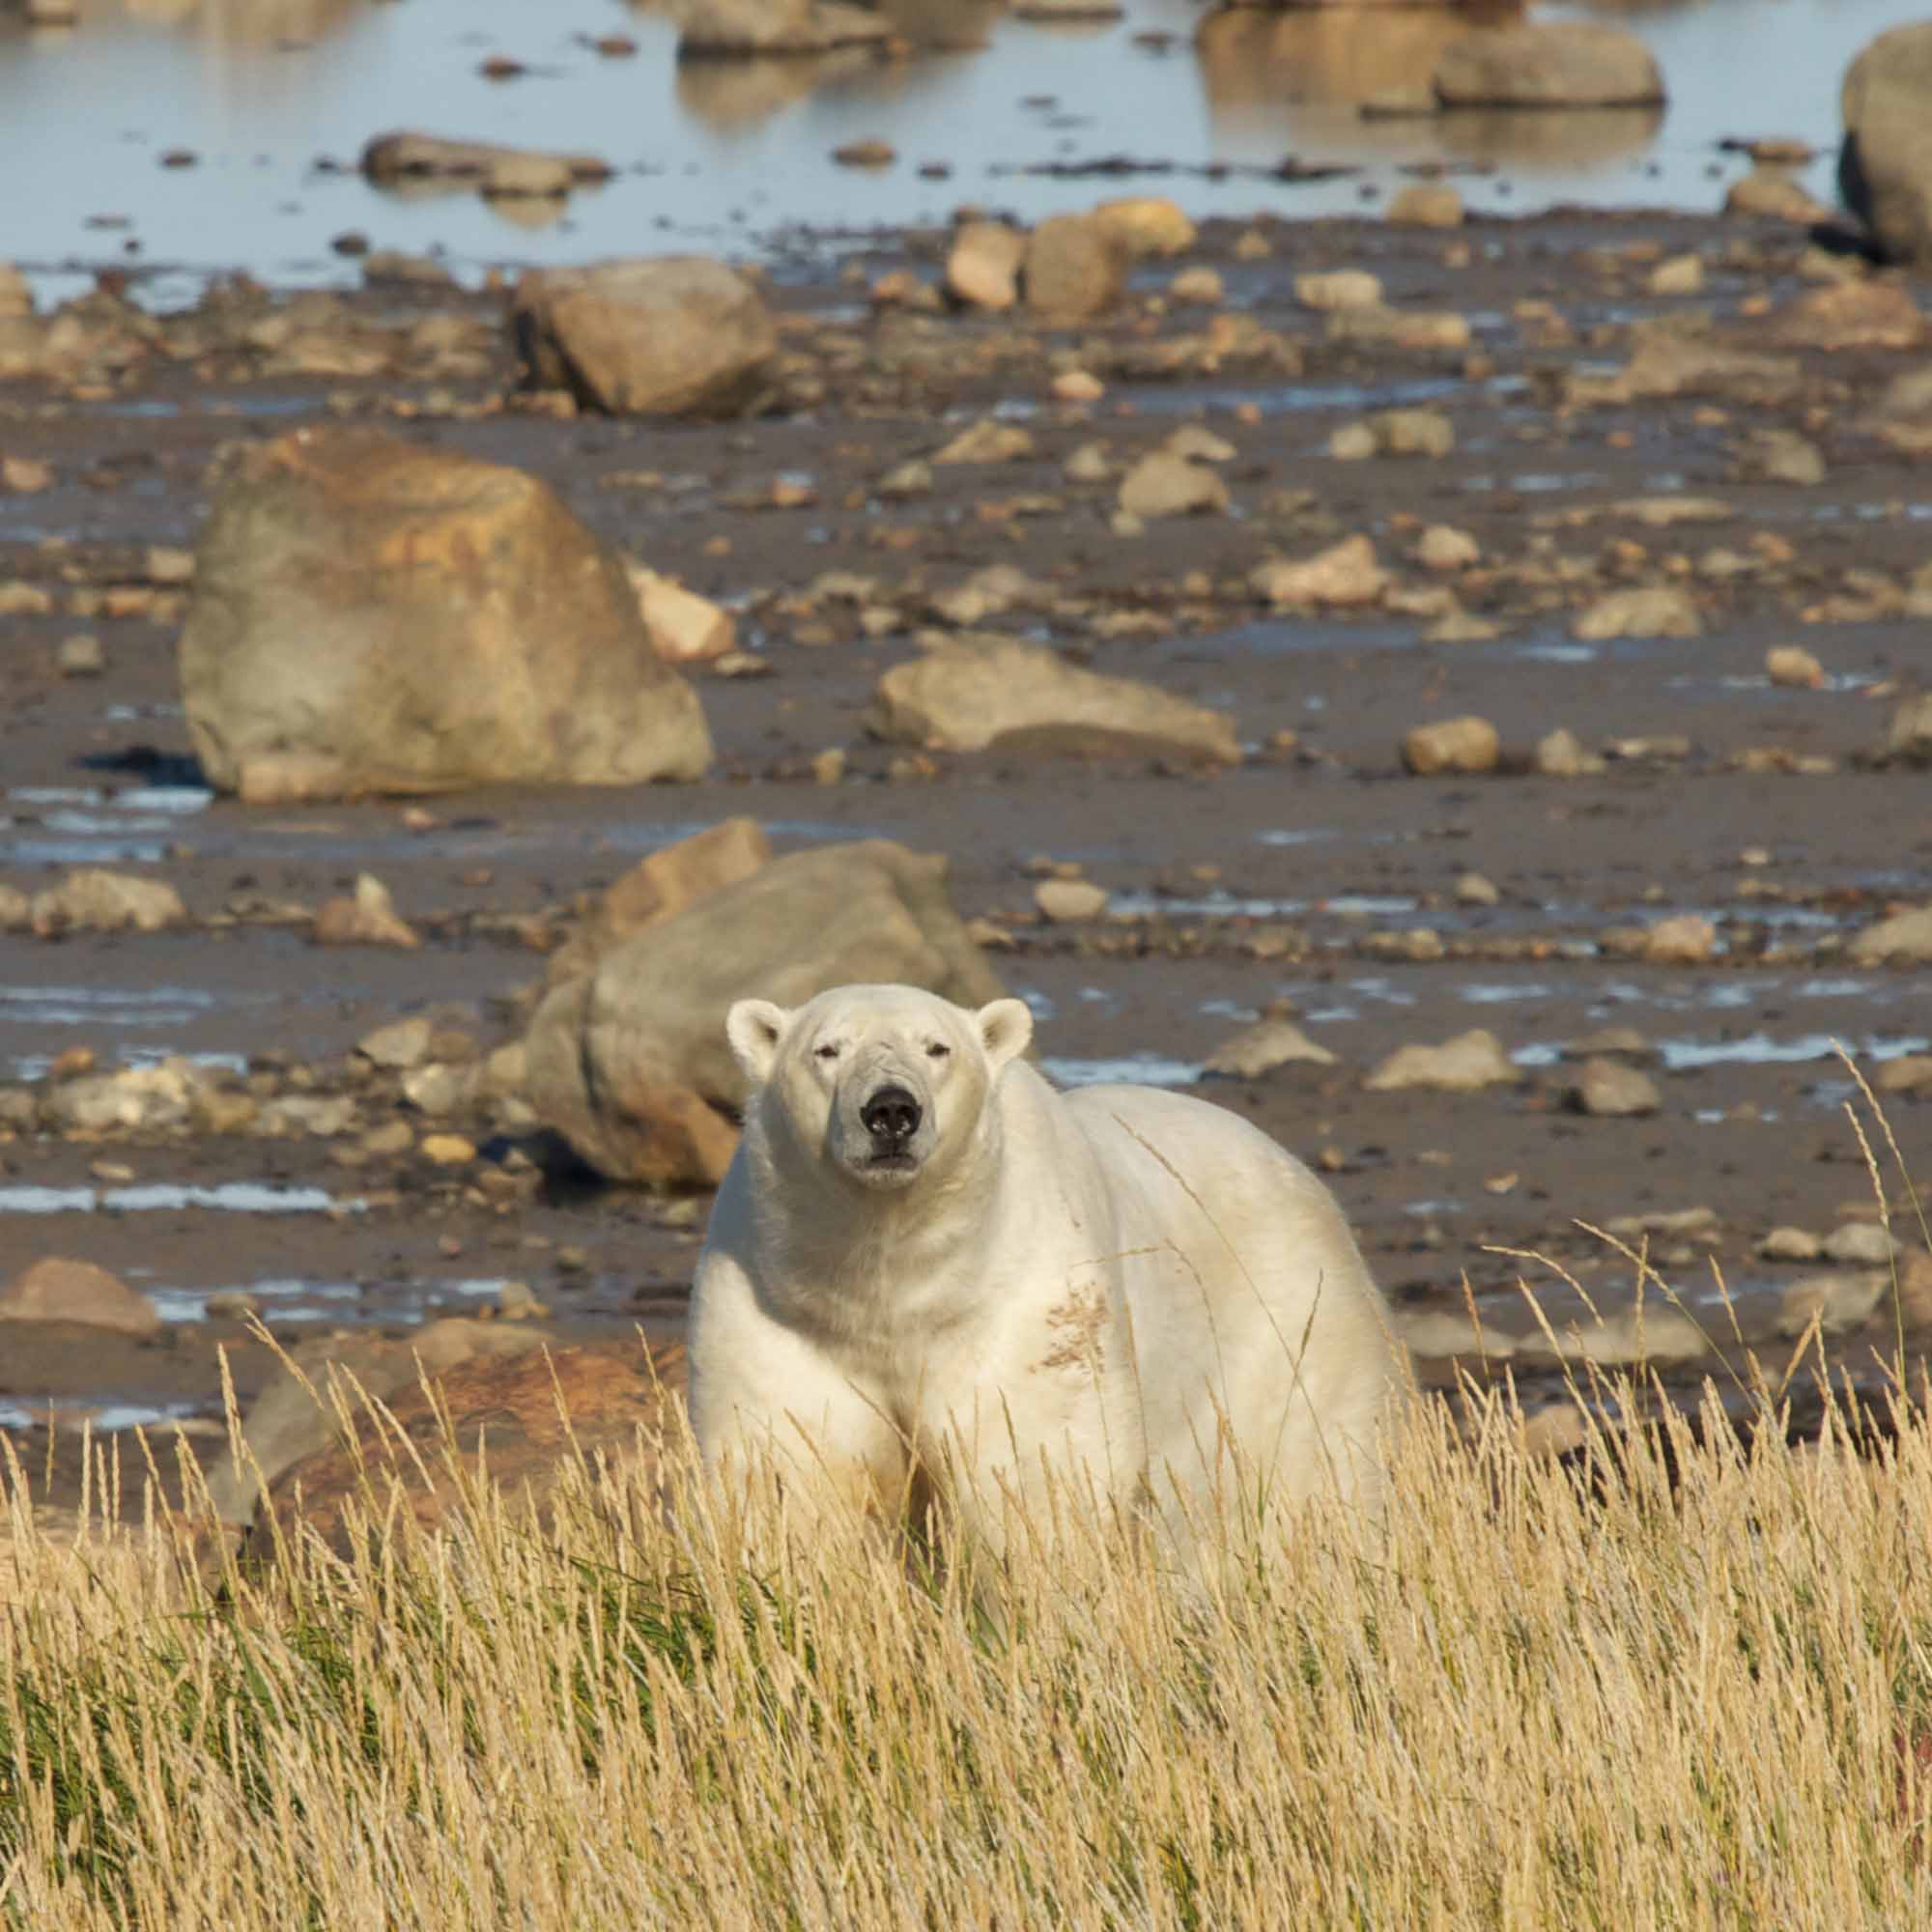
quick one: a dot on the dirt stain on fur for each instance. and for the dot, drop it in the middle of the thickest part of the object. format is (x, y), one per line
(1075, 1323)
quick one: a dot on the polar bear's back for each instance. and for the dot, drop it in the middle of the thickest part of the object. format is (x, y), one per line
(1250, 1299)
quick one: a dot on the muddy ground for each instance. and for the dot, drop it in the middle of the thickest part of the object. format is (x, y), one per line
(1297, 877)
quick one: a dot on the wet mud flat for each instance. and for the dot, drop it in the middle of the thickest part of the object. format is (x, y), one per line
(1319, 879)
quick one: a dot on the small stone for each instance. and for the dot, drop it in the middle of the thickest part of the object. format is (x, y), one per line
(27, 475)
(1412, 433)
(391, 1138)
(517, 1303)
(447, 1149)
(1908, 1073)
(1071, 902)
(1641, 612)
(1426, 204)
(231, 1304)
(1463, 1065)
(1905, 938)
(866, 154)
(1781, 456)
(1859, 1243)
(1352, 443)
(1679, 275)
(1443, 547)
(1837, 1302)
(983, 266)
(1338, 289)
(1077, 385)
(988, 441)
(1467, 744)
(368, 918)
(1908, 740)
(1793, 667)
(1198, 284)
(1163, 484)
(1561, 755)
(1264, 1046)
(1608, 1088)
(905, 481)
(1687, 940)
(684, 627)
(828, 767)
(1791, 1244)
(1472, 888)
(80, 656)
(398, 1046)
(1347, 574)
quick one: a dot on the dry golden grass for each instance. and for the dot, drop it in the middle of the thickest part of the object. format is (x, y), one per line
(1698, 1693)
(1522, 1706)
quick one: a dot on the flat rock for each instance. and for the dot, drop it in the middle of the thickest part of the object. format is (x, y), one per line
(1643, 611)
(59, 1290)
(970, 691)
(1860, 1243)
(1260, 1048)
(523, 1423)
(1463, 1065)
(1343, 576)
(684, 627)
(406, 156)
(983, 266)
(94, 900)
(1163, 484)
(621, 1060)
(1838, 1302)
(371, 615)
(1905, 939)
(1611, 1089)
(672, 335)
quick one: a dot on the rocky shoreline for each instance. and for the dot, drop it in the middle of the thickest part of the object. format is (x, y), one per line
(1457, 696)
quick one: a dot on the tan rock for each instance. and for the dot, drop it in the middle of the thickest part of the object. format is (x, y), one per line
(1777, 193)
(1793, 667)
(1344, 575)
(1260, 1048)
(1854, 315)
(1146, 225)
(1643, 611)
(1463, 1065)
(684, 627)
(1075, 269)
(58, 1289)
(1687, 940)
(94, 900)
(1328, 290)
(1071, 902)
(669, 335)
(1904, 939)
(1546, 64)
(1464, 744)
(1609, 1088)
(372, 616)
(1425, 205)
(1163, 484)
(983, 266)
(369, 918)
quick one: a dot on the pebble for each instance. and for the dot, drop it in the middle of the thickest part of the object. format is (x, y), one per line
(1611, 1089)
(1791, 1244)
(1338, 289)
(1561, 755)
(400, 1046)
(1793, 667)
(1687, 940)
(80, 656)
(448, 1149)
(1071, 902)
(1472, 888)
(1467, 744)
(1443, 547)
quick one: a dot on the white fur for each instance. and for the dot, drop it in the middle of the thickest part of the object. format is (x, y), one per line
(1129, 1287)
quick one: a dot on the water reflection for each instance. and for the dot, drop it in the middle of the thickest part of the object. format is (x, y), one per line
(1304, 76)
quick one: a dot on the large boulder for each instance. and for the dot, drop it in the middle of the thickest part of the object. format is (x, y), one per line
(612, 1409)
(1548, 64)
(1884, 167)
(730, 29)
(669, 335)
(295, 1415)
(975, 690)
(371, 615)
(630, 1063)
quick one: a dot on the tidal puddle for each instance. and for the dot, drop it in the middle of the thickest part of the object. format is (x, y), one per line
(1141, 1069)
(235, 1197)
(103, 1418)
(87, 825)
(1764, 1049)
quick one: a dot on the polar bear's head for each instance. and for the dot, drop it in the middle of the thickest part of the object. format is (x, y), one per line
(883, 1083)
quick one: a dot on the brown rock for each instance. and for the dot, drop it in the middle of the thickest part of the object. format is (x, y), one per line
(367, 919)
(373, 617)
(57, 1289)
(670, 335)
(621, 1411)
(661, 886)
(971, 690)
(1075, 269)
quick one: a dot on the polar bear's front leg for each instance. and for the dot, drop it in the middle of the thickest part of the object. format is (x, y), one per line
(763, 1396)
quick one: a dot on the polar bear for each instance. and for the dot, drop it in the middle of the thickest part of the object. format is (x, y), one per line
(930, 1272)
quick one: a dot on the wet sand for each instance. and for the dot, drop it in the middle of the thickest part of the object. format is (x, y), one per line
(1298, 878)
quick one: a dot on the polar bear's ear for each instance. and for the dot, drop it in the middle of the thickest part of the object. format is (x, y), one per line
(1005, 1028)
(755, 1028)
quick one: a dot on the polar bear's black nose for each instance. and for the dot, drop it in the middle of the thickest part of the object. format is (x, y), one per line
(891, 1114)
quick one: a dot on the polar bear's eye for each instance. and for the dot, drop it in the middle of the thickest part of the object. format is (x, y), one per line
(938, 1050)
(829, 1051)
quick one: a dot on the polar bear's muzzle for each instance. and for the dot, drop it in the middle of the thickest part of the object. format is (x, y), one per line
(892, 1117)
(884, 1126)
